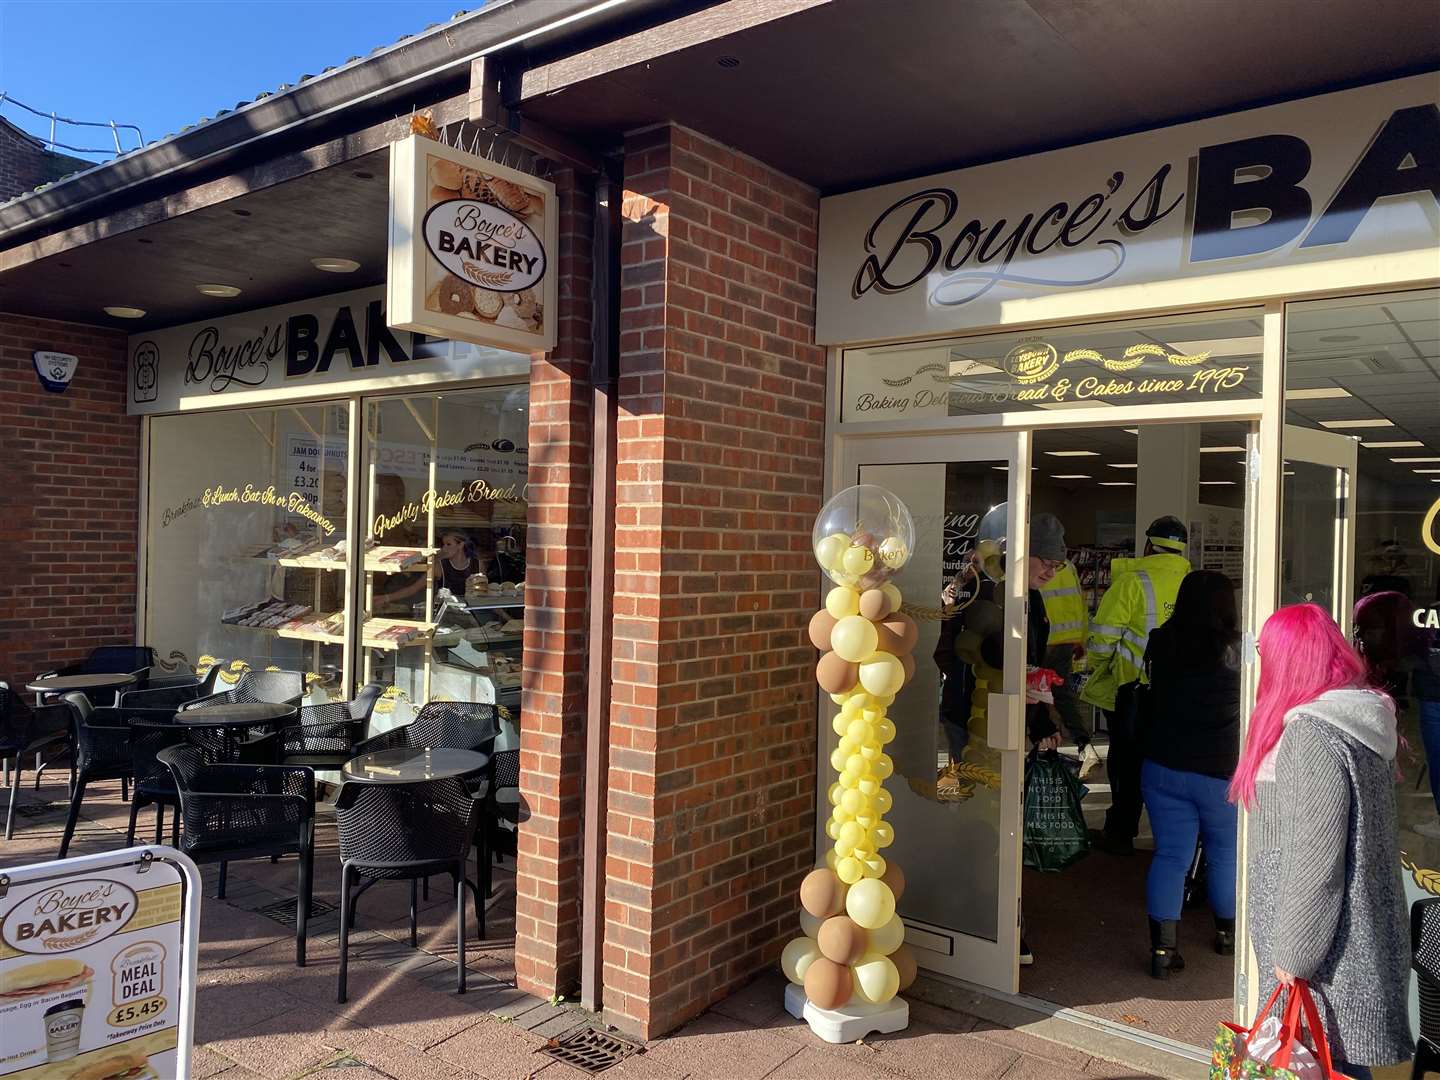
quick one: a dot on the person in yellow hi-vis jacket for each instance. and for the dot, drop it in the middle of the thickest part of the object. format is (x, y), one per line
(1069, 622)
(1141, 597)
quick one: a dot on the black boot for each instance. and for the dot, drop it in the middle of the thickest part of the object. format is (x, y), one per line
(1164, 956)
(1224, 936)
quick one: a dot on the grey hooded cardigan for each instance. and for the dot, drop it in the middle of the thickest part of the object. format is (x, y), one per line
(1325, 894)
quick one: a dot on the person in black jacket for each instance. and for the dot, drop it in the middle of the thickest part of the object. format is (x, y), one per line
(1190, 721)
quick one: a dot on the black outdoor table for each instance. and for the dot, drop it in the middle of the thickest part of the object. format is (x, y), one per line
(411, 764)
(233, 721)
(85, 684)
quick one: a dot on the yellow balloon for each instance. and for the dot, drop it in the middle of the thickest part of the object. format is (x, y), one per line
(837, 698)
(881, 673)
(834, 794)
(883, 833)
(885, 940)
(831, 859)
(829, 550)
(854, 638)
(876, 978)
(893, 552)
(886, 700)
(839, 724)
(842, 601)
(797, 958)
(853, 801)
(847, 746)
(885, 729)
(858, 729)
(867, 818)
(849, 780)
(883, 801)
(868, 785)
(832, 829)
(843, 848)
(857, 560)
(870, 751)
(851, 833)
(840, 815)
(870, 902)
(837, 759)
(810, 925)
(848, 870)
(857, 765)
(890, 590)
(872, 866)
(854, 704)
(882, 766)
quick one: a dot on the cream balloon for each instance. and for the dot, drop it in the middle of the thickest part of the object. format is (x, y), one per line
(872, 866)
(888, 938)
(859, 561)
(829, 551)
(893, 552)
(842, 601)
(854, 638)
(797, 958)
(890, 590)
(881, 673)
(849, 869)
(809, 924)
(870, 902)
(876, 978)
(839, 724)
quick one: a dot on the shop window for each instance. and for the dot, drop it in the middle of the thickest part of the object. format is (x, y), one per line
(1210, 357)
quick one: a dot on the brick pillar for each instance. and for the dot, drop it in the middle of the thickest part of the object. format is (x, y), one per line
(719, 477)
(552, 737)
(69, 508)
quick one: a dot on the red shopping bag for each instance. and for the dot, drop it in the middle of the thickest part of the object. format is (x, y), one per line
(1230, 1058)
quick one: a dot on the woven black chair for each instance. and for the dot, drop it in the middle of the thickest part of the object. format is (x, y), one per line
(502, 803)
(1425, 947)
(153, 780)
(25, 731)
(254, 687)
(102, 752)
(113, 659)
(406, 832)
(326, 735)
(246, 812)
(458, 725)
(172, 692)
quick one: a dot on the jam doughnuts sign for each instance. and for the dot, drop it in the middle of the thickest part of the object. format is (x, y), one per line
(97, 967)
(472, 248)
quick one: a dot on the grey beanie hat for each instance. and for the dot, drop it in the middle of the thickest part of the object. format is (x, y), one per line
(1047, 535)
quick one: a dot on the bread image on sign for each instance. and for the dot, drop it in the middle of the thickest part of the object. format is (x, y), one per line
(120, 1064)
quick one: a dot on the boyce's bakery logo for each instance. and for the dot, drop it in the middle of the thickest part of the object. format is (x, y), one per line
(60, 918)
(1245, 199)
(485, 245)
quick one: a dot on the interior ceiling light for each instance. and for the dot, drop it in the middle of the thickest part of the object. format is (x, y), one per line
(225, 291)
(1319, 393)
(1426, 472)
(1217, 483)
(1222, 449)
(1123, 465)
(1336, 339)
(1132, 430)
(1409, 460)
(1394, 444)
(1073, 453)
(1341, 425)
(1117, 483)
(1070, 476)
(335, 266)
(122, 312)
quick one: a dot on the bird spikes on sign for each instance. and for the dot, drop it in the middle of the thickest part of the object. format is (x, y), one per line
(491, 143)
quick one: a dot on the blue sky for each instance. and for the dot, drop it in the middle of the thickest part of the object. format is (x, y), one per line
(165, 65)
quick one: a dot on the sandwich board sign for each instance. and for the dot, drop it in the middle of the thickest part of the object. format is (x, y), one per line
(97, 966)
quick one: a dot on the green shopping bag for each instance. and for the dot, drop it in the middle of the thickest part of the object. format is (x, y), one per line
(1230, 1057)
(1055, 834)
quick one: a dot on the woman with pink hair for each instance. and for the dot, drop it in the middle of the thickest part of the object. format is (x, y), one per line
(1326, 903)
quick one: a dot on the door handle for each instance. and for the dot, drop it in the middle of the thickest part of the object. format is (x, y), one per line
(1005, 721)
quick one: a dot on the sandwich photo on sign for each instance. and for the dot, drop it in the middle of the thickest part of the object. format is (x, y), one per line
(471, 248)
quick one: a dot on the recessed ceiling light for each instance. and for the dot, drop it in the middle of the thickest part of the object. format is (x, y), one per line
(1002, 468)
(1319, 393)
(1408, 460)
(218, 290)
(1070, 476)
(1426, 472)
(1336, 339)
(1072, 453)
(1393, 444)
(240, 213)
(1123, 465)
(1222, 449)
(335, 266)
(1117, 483)
(122, 312)
(1217, 483)
(728, 61)
(1341, 425)
(1132, 430)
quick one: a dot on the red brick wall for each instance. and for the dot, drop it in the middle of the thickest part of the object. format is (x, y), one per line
(552, 737)
(25, 165)
(70, 501)
(719, 477)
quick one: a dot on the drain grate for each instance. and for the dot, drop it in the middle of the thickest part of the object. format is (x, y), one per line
(589, 1050)
(283, 911)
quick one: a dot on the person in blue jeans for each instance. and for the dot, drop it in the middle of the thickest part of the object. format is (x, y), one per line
(1190, 721)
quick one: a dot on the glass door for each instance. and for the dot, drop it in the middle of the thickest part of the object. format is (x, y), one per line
(1317, 524)
(959, 745)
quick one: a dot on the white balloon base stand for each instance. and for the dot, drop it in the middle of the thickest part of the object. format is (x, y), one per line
(849, 1022)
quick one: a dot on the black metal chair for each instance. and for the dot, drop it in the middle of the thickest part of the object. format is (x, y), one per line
(326, 735)
(458, 725)
(247, 812)
(25, 731)
(1425, 949)
(172, 692)
(113, 659)
(502, 804)
(255, 687)
(153, 780)
(102, 752)
(406, 832)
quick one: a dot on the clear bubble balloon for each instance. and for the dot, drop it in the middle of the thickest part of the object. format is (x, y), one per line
(863, 536)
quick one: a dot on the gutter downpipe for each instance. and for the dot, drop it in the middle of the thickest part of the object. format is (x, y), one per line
(605, 370)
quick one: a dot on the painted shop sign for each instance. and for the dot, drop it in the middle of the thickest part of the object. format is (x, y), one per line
(1342, 176)
(471, 248)
(342, 342)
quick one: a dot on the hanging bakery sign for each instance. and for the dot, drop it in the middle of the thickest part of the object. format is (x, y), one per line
(472, 248)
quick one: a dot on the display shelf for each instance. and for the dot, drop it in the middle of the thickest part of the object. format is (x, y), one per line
(302, 563)
(502, 600)
(422, 556)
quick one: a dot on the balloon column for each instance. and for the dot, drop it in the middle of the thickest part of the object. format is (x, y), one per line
(852, 952)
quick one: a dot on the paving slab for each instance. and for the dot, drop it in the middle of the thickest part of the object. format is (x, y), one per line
(723, 1047)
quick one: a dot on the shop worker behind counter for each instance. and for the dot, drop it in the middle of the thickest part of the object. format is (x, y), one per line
(1140, 598)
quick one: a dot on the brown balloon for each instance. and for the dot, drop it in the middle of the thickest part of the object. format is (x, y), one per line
(822, 893)
(836, 674)
(894, 877)
(904, 961)
(821, 623)
(842, 940)
(907, 661)
(898, 633)
(874, 604)
(828, 985)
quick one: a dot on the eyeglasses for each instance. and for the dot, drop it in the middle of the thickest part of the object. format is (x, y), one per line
(1053, 565)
